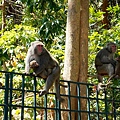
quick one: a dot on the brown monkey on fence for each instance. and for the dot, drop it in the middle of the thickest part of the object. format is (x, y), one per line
(105, 62)
(44, 66)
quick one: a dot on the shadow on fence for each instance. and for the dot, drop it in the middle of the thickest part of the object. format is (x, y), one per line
(18, 102)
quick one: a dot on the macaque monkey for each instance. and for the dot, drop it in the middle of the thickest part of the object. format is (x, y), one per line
(101, 86)
(44, 66)
(34, 65)
(105, 63)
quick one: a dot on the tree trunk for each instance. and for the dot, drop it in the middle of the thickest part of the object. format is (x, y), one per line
(3, 14)
(76, 51)
(83, 60)
(104, 9)
(71, 66)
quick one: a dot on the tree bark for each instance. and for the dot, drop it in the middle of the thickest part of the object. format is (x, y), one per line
(76, 51)
(83, 61)
(3, 14)
(104, 9)
(71, 65)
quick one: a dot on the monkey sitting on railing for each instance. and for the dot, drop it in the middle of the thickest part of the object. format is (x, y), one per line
(45, 66)
(106, 64)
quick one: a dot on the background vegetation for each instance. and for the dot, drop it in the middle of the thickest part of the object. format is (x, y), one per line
(46, 20)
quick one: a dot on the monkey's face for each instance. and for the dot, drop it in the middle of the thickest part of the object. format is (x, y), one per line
(39, 49)
(113, 48)
(34, 64)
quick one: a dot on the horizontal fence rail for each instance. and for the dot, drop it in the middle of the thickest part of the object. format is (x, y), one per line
(19, 100)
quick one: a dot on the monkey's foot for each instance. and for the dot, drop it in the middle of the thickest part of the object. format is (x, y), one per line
(101, 86)
(42, 92)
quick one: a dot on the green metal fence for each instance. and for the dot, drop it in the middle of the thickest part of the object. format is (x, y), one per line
(15, 102)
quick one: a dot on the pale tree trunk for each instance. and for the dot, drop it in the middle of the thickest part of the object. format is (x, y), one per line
(83, 65)
(76, 52)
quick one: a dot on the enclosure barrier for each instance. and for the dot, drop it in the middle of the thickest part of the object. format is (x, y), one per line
(23, 103)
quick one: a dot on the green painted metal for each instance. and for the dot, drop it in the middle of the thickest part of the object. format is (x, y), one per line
(99, 106)
(6, 97)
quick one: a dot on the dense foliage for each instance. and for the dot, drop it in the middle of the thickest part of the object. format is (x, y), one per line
(46, 20)
(99, 36)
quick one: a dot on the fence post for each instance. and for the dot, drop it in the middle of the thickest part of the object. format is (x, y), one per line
(6, 96)
(23, 95)
(35, 84)
(106, 106)
(10, 95)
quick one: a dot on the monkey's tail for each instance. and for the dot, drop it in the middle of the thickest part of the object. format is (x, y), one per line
(111, 78)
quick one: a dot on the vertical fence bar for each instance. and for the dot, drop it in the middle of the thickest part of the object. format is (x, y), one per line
(69, 102)
(58, 111)
(6, 96)
(106, 107)
(113, 103)
(23, 85)
(11, 88)
(88, 102)
(97, 105)
(45, 104)
(35, 84)
(56, 105)
(79, 106)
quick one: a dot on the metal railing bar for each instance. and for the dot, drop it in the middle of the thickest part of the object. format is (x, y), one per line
(35, 84)
(96, 99)
(46, 108)
(106, 106)
(11, 86)
(6, 96)
(88, 102)
(22, 108)
(97, 107)
(69, 102)
(79, 105)
(70, 81)
(114, 107)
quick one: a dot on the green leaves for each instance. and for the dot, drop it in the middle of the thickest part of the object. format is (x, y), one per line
(14, 43)
(48, 16)
(98, 36)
